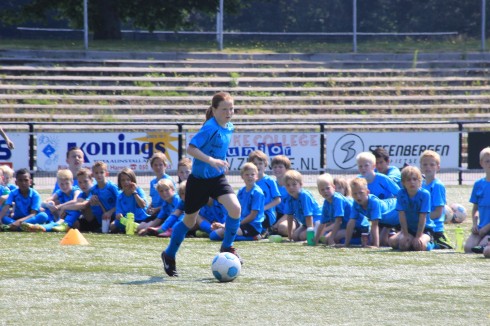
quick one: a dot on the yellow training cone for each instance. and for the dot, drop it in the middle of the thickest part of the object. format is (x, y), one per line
(73, 237)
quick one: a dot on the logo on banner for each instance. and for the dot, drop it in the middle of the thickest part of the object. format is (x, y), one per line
(346, 149)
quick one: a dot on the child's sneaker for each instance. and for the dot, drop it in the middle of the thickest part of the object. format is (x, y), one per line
(63, 227)
(32, 227)
(233, 251)
(477, 249)
(169, 265)
(165, 234)
(4, 228)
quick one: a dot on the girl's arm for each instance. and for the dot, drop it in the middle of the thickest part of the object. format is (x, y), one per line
(198, 154)
(403, 223)
(421, 225)
(474, 217)
(276, 201)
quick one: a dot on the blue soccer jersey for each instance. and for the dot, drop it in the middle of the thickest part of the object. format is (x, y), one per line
(213, 140)
(305, 205)
(284, 194)
(214, 213)
(168, 208)
(480, 195)
(4, 190)
(107, 196)
(156, 200)
(437, 198)
(394, 174)
(383, 187)
(71, 215)
(252, 200)
(379, 210)
(339, 207)
(24, 204)
(271, 191)
(127, 204)
(420, 203)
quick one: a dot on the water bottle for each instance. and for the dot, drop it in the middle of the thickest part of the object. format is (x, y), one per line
(130, 227)
(275, 238)
(459, 239)
(105, 226)
(310, 236)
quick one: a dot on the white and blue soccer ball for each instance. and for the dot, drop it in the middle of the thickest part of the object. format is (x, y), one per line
(459, 213)
(226, 267)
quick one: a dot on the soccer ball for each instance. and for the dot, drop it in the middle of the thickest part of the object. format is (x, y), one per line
(459, 213)
(448, 212)
(226, 267)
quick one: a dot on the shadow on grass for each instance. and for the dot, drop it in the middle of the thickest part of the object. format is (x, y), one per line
(153, 279)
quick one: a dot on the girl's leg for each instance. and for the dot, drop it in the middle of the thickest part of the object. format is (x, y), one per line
(232, 223)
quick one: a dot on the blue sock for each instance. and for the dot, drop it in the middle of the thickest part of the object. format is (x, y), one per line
(214, 236)
(205, 226)
(178, 235)
(244, 238)
(231, 226)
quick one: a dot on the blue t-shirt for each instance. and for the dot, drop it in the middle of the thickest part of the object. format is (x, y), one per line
(156, 200)
(339, 207)
(107, 195)
(394, 174)
(127, 204)
(271, 191)
(214, 213)
(4, 190)
(381, 210)
(252, 200)
(305, 205)
(168, 208)
(284, 195)
(383, 187)
(480, 195)
(24, 205)
(437, 198)
(212, 140)
(420, 203)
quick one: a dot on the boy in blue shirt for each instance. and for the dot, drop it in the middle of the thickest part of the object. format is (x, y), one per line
(379, 184)
(251, 199)
(383, 165)
(171, 211)
(75, 159)
(60, 218)
(268, 186)
(300, 208)
(280, 165)
(480, 198)
(211, 217)
(430, 163)
(381, 213)
(336, 211)
(86, 222)
(413, 206)
(26, 203)
(158, 163)
(104, 194)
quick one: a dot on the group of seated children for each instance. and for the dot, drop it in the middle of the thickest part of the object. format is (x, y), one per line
(382, 206)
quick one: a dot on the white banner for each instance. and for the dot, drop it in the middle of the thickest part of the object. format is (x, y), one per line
(403, 147)
(303, 149)
(117, 150)
(17, 158)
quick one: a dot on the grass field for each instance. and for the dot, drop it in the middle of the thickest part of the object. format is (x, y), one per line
(118, 279)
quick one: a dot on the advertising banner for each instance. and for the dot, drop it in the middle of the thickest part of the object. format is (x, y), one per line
(18, 157)
(403, 147)
(118, 150)
(303, 149)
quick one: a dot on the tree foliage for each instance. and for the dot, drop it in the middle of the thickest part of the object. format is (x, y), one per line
(107, 16)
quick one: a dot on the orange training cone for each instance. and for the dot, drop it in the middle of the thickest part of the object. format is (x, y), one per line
(73, 237)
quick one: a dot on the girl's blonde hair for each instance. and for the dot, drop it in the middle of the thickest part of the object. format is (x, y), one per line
(217, 99)
(159, 156)
(342, 184)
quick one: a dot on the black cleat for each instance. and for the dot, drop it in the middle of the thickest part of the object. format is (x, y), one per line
(169, 265)
(477, 249)
(233, 251)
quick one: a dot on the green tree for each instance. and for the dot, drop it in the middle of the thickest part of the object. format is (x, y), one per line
(107, 16)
